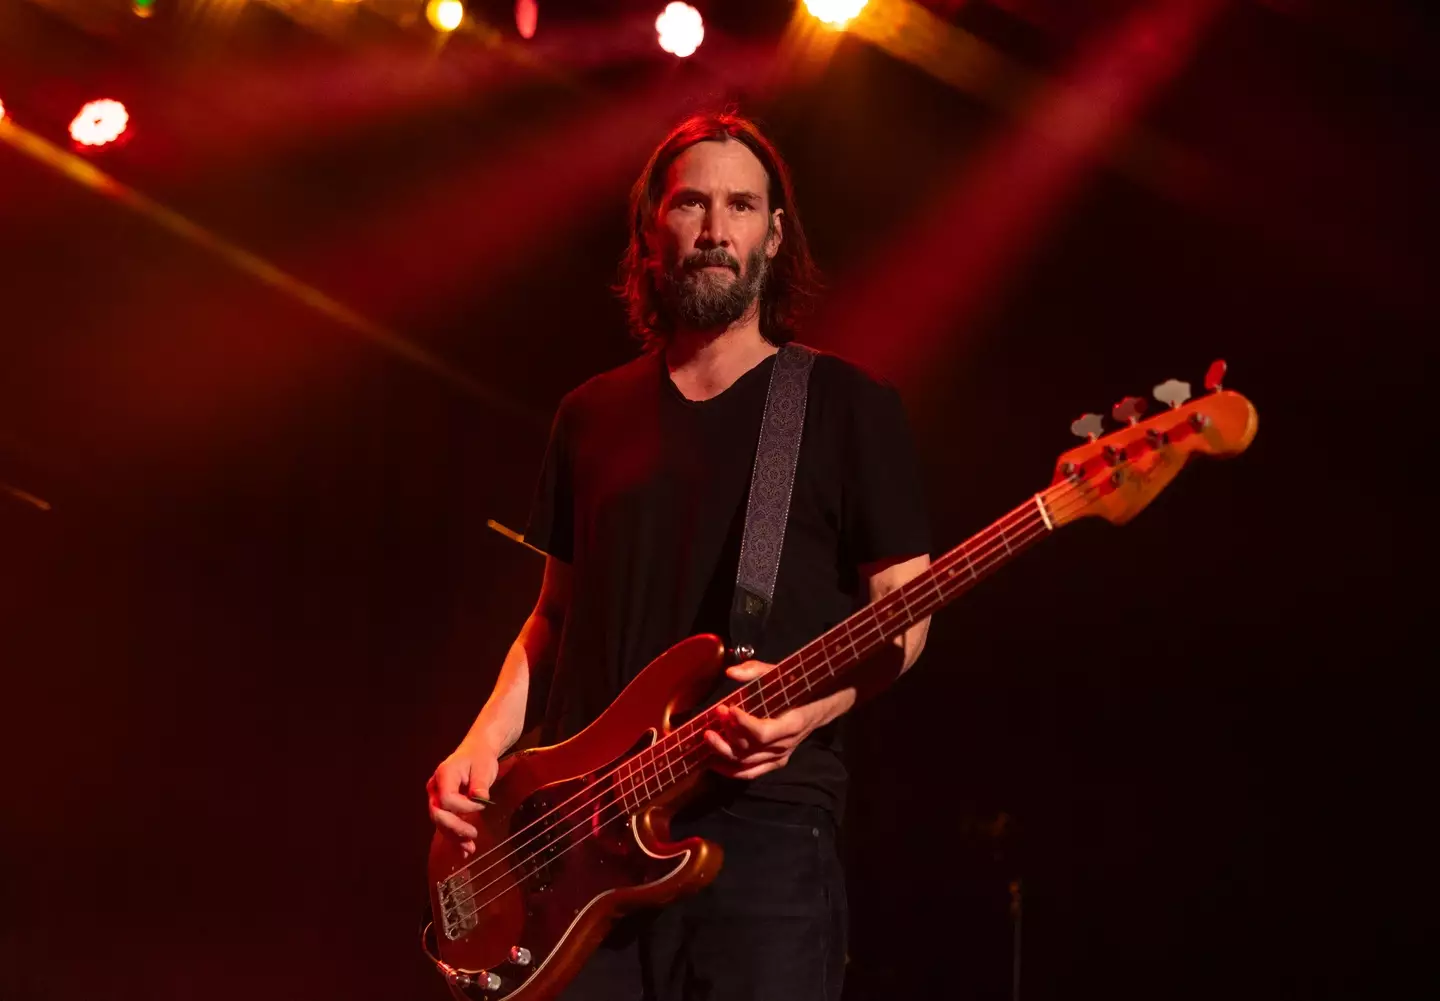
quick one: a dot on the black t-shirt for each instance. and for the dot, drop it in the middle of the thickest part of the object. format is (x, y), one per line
(643, 492)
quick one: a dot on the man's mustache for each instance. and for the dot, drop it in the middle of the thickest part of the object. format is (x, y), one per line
(716, 258)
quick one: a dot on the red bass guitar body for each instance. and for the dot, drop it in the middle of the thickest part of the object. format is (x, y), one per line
(516, 919)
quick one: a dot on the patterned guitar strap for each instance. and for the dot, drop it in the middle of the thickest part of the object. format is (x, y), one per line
(768, 508)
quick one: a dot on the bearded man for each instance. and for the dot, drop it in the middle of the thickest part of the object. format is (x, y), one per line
(640, 509)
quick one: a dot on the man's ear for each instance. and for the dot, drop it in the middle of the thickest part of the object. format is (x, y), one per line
(776, 234)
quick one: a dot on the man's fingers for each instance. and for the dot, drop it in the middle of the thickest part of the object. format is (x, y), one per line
(454, 825)
(719, 745)
(749, 671)
(458, 803)
(737, 767)
(761, 758)
(765, 731)
(753, 726)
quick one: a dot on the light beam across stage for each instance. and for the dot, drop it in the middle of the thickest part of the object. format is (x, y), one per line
(1006, 195)
(87, 175)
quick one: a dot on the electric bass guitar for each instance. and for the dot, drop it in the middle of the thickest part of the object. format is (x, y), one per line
(578, 833)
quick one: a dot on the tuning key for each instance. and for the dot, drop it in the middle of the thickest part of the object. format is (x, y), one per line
(1128, 409)
(1213, 376)
(1172, 392)
(1088, 426)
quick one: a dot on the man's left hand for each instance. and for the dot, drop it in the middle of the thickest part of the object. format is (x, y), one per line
(749, 746)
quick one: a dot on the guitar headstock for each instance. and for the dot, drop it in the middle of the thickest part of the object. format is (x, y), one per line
(1115, 476)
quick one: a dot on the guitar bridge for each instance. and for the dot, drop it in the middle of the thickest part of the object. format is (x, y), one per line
(458, 912)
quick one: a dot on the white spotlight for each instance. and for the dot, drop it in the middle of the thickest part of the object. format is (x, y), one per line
(681, 29)
(445, 15)
(835, 13)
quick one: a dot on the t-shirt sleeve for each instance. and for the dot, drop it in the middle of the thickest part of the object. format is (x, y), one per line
(883, 511)
(551, 527)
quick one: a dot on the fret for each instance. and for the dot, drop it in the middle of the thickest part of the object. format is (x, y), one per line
(783, 681)
(792, 672)
(800, 665)
(850, 637)
(784, 688)
(824, 652)
(797, 685)
(874, 627)
(637, 783)
(900, 596)
(644, 778)
(805, 670)
(808, 678)
(914, 591)
(621, 787)
(824, 661)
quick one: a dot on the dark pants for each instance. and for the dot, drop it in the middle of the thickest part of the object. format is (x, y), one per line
(771, 927)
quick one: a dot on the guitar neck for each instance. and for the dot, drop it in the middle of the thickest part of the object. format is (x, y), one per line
(822, 666)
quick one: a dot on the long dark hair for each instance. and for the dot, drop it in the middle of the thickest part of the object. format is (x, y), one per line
(793, 281)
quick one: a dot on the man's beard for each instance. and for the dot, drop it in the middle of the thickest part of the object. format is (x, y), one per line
(700, 300)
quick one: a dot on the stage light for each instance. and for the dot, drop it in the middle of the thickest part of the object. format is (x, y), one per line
(835, 12)
(527, 14)
(99, 122)
(681, 29)
(142, 8)
(445, 15)
(2, 111)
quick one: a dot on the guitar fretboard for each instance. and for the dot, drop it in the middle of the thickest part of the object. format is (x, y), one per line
(822, 665)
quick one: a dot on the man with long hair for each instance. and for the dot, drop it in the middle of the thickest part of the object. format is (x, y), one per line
(640, 509)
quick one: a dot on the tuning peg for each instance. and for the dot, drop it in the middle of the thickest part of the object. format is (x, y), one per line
(1214, 374)
(1128, 409)
(1172, 392)
(1088, 426)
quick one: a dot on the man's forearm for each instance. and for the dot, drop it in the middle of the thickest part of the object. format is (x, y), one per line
(502, 719)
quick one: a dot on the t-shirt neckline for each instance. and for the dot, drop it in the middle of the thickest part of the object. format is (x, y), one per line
(729, 391)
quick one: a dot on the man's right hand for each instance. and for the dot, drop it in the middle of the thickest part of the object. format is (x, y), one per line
(466, 773)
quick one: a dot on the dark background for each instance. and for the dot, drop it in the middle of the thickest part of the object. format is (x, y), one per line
(265, 602)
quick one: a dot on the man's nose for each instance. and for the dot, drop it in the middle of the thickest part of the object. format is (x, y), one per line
(715, 231)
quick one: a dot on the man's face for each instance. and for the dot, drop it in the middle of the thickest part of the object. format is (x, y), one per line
(715, 234)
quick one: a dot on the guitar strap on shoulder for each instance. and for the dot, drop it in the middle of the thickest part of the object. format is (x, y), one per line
(768, 508)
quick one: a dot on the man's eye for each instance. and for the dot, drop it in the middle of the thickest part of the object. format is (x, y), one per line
(742, 206)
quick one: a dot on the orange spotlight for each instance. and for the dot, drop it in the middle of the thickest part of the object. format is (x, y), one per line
(445, 15)
(835, 13)
(527, 14)
(99, 122)
(2, 110)
(681, 29)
